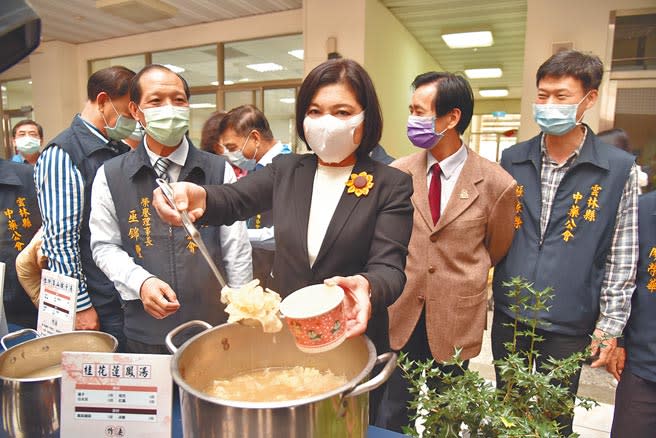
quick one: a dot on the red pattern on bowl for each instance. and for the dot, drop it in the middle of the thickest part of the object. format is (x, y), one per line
(321, 332)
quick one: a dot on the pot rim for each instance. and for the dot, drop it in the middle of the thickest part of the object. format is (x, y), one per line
(46, 338)
(341, 390)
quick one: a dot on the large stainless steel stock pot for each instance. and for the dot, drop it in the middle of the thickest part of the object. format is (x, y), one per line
(226, 350)
(30, 380)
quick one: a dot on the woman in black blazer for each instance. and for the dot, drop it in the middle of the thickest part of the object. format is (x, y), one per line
(337, 214)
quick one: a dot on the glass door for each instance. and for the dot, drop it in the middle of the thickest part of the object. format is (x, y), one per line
(632, 107)
(279, 109)
(16, 106)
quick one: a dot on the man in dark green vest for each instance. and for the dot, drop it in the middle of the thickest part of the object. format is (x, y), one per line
(576, 222)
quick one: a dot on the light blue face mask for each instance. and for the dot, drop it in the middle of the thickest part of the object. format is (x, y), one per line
(238, 159)
(557, 119)
(27, 145)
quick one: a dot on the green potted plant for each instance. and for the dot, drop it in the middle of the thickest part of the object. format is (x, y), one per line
(468, 405)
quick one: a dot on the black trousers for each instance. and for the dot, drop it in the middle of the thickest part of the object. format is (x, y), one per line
(635, 408)
(393, 411)
(554, 345)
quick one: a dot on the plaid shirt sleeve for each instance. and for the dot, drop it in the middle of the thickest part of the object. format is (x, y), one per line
(621, 263)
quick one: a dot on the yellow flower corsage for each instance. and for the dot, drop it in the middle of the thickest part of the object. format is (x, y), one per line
(360, 183)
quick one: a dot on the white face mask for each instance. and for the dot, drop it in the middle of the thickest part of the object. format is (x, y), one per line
(332, 138)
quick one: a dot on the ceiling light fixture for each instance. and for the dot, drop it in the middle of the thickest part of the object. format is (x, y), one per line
(465, 40)
(288, 100)
(228, 82)
(174, 68)
(264, 67)
(138, 11)
(298, 53)
(214, 83)
(483, 73)
(493, 92)
(202, 105)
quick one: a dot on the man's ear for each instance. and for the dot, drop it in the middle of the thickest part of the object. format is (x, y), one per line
(101, 99)
(134, 110)
(593, 95)
(454, 118)
(256, 136)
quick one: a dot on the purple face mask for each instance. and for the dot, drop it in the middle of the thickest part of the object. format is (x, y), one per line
(421, 131)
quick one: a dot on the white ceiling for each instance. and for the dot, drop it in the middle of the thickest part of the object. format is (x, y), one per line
(428, 19)
(78, 21)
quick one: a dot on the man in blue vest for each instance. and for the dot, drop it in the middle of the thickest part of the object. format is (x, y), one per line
(634, 364)
(576, 222)
(64, 175)
(19, 221)
(159, 272)
(249, 144)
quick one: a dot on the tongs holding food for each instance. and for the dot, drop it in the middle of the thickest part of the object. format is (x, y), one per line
(191, 230)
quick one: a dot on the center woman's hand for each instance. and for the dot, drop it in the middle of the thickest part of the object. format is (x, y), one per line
(357, 304)
(187, 196)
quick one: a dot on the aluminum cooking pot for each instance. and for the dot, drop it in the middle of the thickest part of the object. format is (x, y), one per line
(224, 351)
(30, 380)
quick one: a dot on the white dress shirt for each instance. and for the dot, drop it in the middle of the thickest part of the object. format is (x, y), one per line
(117, 264)
(329, 184)
(451, 167)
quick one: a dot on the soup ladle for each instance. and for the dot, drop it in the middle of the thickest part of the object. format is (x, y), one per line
(191, 230)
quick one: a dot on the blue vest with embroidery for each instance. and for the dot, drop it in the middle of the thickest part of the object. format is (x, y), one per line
(88, 153)
(165, 251)
(571, 256)
(640, 331)
(19, 221)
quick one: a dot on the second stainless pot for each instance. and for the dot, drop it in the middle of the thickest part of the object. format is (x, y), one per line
(30, 381)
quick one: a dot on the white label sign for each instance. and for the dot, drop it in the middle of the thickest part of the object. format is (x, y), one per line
(116, 395)
(57, 303)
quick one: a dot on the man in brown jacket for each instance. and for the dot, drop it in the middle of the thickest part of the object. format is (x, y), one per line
(463, 225)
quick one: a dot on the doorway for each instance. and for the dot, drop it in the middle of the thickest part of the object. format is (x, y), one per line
(632, 107)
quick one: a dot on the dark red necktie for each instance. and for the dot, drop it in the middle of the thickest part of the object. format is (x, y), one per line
(435, 192)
